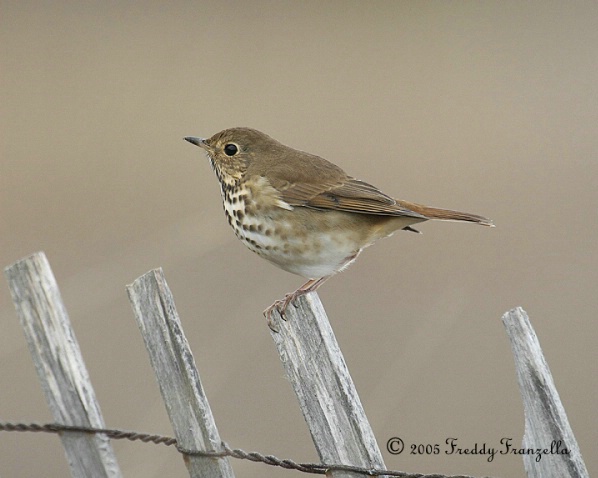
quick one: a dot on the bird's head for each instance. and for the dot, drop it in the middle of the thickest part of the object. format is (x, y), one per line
(231, 151)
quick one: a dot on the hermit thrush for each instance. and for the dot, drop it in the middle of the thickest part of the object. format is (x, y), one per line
(301, 212)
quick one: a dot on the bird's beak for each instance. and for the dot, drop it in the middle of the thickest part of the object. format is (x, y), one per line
(196, 141)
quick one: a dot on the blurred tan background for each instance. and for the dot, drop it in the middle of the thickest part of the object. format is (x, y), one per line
(488, 107)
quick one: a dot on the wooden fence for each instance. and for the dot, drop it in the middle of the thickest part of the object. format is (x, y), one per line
(312, 360)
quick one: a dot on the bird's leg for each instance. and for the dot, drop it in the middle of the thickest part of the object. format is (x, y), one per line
(281, 305)
(310, 286)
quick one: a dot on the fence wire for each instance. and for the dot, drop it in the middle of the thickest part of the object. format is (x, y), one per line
(227, 451)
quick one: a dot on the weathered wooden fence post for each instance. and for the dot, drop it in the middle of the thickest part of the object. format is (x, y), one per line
(60, 366)
(328, 399)
(545, 418)
(173, 364)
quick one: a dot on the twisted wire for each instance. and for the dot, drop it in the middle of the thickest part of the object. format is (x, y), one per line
(226, 451)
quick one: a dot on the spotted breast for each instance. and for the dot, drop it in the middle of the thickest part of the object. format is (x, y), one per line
(272, 229)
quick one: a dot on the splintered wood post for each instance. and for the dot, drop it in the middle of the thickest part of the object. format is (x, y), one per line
(60, 365)
(331, 407)
(178, 378)
(546, 424)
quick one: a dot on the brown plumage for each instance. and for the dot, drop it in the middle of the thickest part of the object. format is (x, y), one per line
(302, 212)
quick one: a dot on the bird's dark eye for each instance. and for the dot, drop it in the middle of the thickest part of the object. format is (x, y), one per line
(231, 149)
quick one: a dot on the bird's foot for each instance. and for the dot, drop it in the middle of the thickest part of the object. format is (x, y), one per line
(281, 306)
(291, 298)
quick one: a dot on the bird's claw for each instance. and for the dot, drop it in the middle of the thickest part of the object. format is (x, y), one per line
(268, 314)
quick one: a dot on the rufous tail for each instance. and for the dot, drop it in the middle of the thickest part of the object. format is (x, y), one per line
(445, 214)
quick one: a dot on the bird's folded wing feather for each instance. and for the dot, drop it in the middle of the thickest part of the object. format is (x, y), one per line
(349, 194)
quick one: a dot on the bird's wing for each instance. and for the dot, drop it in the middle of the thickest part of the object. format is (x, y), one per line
(348, 194)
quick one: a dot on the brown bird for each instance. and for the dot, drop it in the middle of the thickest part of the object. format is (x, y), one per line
(301, 212)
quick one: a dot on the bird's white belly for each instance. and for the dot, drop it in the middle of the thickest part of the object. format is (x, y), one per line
(312, 256)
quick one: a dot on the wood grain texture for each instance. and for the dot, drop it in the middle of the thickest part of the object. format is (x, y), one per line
(327, 396)
(60, 366)
(177, 375)
(545, 418)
